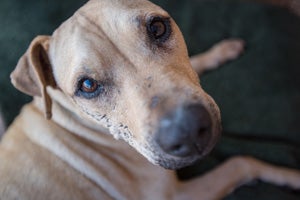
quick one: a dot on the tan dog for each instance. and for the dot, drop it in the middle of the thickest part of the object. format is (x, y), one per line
(121, 68)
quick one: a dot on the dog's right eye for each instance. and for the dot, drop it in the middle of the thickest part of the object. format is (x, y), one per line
(89, 88)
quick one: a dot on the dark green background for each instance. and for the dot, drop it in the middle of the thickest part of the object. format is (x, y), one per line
(259, 93)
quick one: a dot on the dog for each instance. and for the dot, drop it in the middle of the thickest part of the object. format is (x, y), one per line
(117, 107)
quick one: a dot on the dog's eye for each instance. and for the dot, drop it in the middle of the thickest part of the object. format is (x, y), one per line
(159, 29)
(89, 85)
(89, 88)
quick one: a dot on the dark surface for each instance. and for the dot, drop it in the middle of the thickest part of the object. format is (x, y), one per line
(259, 94)
(20, 22)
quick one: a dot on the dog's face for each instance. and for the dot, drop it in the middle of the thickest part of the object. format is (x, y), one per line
(124, 64)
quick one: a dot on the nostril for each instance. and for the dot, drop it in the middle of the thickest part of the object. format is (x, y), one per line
(202, 137)
(177, 147)
(180, 150)
(202, 131)
(203, 134)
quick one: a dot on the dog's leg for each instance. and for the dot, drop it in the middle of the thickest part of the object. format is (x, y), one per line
(235, 172)
(220, 53)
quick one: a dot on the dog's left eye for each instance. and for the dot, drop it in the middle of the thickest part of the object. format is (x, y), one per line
(89, 88)
(159, 29)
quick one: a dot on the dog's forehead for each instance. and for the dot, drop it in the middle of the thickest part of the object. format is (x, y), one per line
(107, 16)
(112, 15)
(120, 5)
(104, 19)
(103, 9)
(106, 33)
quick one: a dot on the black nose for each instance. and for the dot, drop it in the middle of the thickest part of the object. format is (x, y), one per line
(185, 131)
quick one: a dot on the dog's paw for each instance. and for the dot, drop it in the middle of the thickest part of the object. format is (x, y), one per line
(220, 53)
(228, 50)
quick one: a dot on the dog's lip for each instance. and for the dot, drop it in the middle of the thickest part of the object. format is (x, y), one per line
(171, 162)
(175, 163)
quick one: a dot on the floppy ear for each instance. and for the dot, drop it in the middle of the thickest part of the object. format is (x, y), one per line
(34, 72)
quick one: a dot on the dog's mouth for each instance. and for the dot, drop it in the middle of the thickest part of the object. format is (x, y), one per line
(182, 137)
(172, 162)
(179, 163)
(159, 157)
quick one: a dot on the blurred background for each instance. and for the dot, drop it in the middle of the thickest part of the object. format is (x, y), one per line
(258, 94)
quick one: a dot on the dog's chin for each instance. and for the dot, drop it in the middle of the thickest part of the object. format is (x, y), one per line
(164, 160)
(167, 161)
(158, 157)
(176, 164)
(155, 155)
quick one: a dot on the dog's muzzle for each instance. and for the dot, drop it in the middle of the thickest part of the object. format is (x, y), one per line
(185, 132)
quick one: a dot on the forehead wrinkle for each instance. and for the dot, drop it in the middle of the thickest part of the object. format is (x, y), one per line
(104, 36)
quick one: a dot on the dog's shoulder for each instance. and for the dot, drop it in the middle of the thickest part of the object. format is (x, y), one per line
(30, 171)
